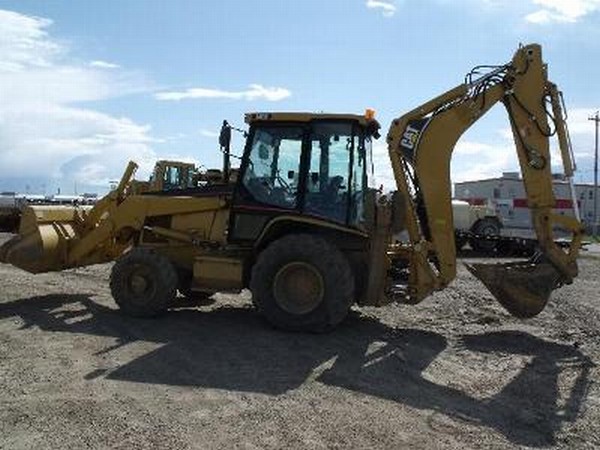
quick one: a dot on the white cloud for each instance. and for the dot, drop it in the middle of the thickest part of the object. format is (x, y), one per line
(578, 121)
(544, 11)
(471, 160)
(387, 8)
(173, 137)
(24, 43)
(582, 133)
(581, 130)
(565, 11)
(506, 133)
(104, 64)
(543, 16)
(209, 133)
(254, 92)
(475, 160)
(472, 148)
(43, 135)
(384, 174)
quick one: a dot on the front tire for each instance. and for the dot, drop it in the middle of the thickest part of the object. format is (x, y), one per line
(143, 283)
(302, 282)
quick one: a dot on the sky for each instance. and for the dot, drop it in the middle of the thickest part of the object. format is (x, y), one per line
(86, 86)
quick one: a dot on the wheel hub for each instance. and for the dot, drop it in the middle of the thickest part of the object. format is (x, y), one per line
(298, 288)
(138, 284)
(488, 231)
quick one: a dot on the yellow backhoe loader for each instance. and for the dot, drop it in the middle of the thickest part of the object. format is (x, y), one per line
(167, 176)
(179, 176)
(301, 228)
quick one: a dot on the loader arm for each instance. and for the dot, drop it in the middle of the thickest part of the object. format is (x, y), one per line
(59, 238)
(420, 145)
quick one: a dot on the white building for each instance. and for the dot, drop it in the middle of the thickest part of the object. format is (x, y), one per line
(507, 194)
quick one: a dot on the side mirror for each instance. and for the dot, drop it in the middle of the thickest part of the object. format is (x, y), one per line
(225, 135)
(291, 174)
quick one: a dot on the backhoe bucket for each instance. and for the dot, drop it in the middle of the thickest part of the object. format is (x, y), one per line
(523, 288)
(42, 242)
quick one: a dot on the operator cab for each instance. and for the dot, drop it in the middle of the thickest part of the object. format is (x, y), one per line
(177, 176)
(314, 165)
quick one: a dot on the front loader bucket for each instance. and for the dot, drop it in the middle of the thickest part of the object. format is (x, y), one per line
(42, 242)
(53, 238)
(522, 288)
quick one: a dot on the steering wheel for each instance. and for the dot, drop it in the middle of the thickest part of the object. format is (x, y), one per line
(287, 188)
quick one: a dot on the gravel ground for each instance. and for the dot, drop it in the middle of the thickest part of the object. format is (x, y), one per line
(453, 372)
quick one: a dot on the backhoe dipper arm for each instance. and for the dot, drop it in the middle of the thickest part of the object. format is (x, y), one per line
(420, 146)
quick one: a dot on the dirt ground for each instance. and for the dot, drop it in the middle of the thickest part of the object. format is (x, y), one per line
(453, 372)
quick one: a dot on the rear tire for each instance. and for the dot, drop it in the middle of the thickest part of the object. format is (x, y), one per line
(485, 227)
(143, 283)
(460, 242)
(302, 282)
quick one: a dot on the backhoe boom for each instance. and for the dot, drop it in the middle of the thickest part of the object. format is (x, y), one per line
(420, 147)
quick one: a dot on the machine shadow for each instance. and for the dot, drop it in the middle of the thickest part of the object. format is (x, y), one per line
(231, 348)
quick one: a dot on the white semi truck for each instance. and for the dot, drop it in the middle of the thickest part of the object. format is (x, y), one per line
(479, 226)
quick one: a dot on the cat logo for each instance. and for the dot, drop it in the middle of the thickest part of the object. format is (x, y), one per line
(410, 137)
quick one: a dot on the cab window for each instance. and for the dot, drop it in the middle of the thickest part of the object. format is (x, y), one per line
(359, 183)
(327, 188)
(273, 166)
(172, 178)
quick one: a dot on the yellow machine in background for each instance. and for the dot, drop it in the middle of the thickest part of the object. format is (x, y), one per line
(167, 176)
(302, 229)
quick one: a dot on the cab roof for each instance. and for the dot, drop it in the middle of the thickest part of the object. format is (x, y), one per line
(170, 162)
(304, 117)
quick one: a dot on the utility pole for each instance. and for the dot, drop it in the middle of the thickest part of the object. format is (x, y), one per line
(596, 119)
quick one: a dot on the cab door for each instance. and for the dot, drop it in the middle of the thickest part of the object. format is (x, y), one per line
(329, 171)
(271, 183)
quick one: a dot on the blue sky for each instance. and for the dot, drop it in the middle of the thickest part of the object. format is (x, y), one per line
(87, 85)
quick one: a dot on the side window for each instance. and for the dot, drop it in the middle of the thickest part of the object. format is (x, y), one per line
(359, 180)
(171, 178)
(327, 184)
(189, 177)
(272, 173)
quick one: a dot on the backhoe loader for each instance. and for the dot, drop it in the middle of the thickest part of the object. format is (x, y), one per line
(167, 176)
(300, 226)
